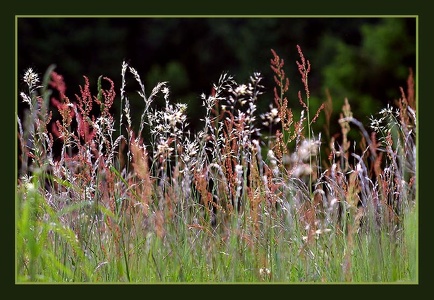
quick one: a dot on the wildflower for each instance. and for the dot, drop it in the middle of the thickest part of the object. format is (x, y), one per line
(30, 187)
(182, 107)
(387, 111)
(190, 151)
(397, 112)
(273, 161)
(376, 123)
(301, 170)
(255, 78)
(241, 90)
(174, 116)
(264, 271)
(306, 149)
(31, 78)
(271, 117)
(333, 202)
(163, 148)
(171, 119)
(238, 179)
(271, 156)
(165, 90)
(274, 112)
(26, 98)
(334, 166)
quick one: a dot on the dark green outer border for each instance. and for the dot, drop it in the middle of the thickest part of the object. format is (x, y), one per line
(270, 8)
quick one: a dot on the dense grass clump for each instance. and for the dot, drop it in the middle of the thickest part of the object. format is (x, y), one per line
(248, 198)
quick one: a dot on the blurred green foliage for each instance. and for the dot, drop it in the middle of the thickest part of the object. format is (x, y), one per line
(363, 59)
(370, 74)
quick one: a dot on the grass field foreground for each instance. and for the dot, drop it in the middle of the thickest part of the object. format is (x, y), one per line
(248, 198)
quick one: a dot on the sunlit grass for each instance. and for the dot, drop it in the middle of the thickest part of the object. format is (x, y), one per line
(224, 204)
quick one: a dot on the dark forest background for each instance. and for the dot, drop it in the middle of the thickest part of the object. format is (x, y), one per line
(363, 59)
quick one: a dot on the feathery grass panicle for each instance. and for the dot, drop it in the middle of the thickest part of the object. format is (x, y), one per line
(230, 202)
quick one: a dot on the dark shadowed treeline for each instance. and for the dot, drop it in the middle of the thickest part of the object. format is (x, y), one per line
(363, 59)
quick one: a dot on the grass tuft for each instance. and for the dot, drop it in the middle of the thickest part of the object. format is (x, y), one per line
(248, 198)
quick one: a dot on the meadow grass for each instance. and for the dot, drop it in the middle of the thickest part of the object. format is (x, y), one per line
(232, 202)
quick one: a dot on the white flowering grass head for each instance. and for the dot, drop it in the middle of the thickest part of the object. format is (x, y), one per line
(31, 78)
